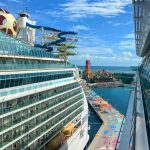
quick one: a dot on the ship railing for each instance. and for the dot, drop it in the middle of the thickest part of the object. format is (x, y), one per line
(62, 120)
(33, 87)
(133, 134)
(12, 46)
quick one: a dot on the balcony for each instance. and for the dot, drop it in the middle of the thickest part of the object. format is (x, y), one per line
(60, 121)
(35, 86)
(19, 118)
(13, 66)
(14, 47)
(142, 26)
(134, 134)
(29, 100)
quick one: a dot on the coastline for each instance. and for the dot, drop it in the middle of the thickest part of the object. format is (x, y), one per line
(109, 85)
(106, 84)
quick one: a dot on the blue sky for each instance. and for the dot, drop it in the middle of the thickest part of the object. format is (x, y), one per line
(105, 27)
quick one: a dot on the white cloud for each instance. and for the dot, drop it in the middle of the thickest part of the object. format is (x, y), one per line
(130, 36)
(116, 60)
(122, 23)
(129, 23)
(127, 44)
(93, 45)
(80, 27)
(84, 8)
(117, 24)
(105, 53)
(110, 22)
(16, 1)
(127, 54)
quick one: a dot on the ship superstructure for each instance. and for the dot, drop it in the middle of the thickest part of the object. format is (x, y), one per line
(40, 97)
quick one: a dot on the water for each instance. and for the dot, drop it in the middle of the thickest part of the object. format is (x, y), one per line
(114, 69)
(117, 97)
(95, 123)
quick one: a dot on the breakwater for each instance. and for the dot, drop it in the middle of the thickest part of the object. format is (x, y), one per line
(106, 84)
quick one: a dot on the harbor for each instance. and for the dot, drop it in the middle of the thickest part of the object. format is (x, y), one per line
(108, 133)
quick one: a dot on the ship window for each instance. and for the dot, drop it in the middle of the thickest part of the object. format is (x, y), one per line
(2, 84)
(3, 61)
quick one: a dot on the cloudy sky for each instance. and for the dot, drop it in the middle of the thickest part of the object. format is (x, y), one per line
(105, 27)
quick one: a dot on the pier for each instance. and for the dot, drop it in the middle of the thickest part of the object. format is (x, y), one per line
(107, 136)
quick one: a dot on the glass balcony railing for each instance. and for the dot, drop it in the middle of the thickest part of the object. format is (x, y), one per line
(59, 127)
(20, 119)
(31, 100)
(134, 133)
(12, 66)
(12, 46)
(41, 140)
(58, 119)
(33, 87)
(13, 80)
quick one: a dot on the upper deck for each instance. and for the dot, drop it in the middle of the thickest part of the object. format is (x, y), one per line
(10, 46)
(18, 55)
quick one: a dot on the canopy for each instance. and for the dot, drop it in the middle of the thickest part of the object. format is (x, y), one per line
(99, 99)
(104, 102)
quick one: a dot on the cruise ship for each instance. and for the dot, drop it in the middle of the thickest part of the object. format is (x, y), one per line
(42, 103)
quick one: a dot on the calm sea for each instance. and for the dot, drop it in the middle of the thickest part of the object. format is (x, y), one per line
(94, 123)
(117, 97)
(110, 68)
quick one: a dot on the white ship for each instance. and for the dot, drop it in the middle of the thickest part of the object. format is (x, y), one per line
(42, 103)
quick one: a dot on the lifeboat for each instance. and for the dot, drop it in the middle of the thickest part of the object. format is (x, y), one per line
(55, 143)
(69, 130)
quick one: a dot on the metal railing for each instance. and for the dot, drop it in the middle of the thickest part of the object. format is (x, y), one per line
(134, 133)
(49, 123)
(16, 90)
(12, 46)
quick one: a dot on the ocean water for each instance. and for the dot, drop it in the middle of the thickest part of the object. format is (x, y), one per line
(116, 69)
(118, 97)
(94, 123)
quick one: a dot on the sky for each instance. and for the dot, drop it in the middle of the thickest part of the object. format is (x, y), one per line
(105, 27)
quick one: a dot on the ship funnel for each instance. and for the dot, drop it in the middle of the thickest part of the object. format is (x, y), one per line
(25, 33)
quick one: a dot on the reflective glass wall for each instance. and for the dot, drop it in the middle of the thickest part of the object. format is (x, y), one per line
(144, 71)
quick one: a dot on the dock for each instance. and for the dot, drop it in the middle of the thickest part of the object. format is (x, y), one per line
(107, 136)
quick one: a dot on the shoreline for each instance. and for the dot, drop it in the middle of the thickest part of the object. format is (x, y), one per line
(109, 85)
(106, 84)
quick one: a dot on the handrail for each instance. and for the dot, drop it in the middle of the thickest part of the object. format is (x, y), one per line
(134, 134)
(141, 138)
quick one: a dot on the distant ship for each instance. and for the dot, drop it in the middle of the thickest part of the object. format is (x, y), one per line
(42, 103)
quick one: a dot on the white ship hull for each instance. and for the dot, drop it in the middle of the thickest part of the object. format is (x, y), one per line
(79, 139)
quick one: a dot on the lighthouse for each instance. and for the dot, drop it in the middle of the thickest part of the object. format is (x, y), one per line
(87, 69)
